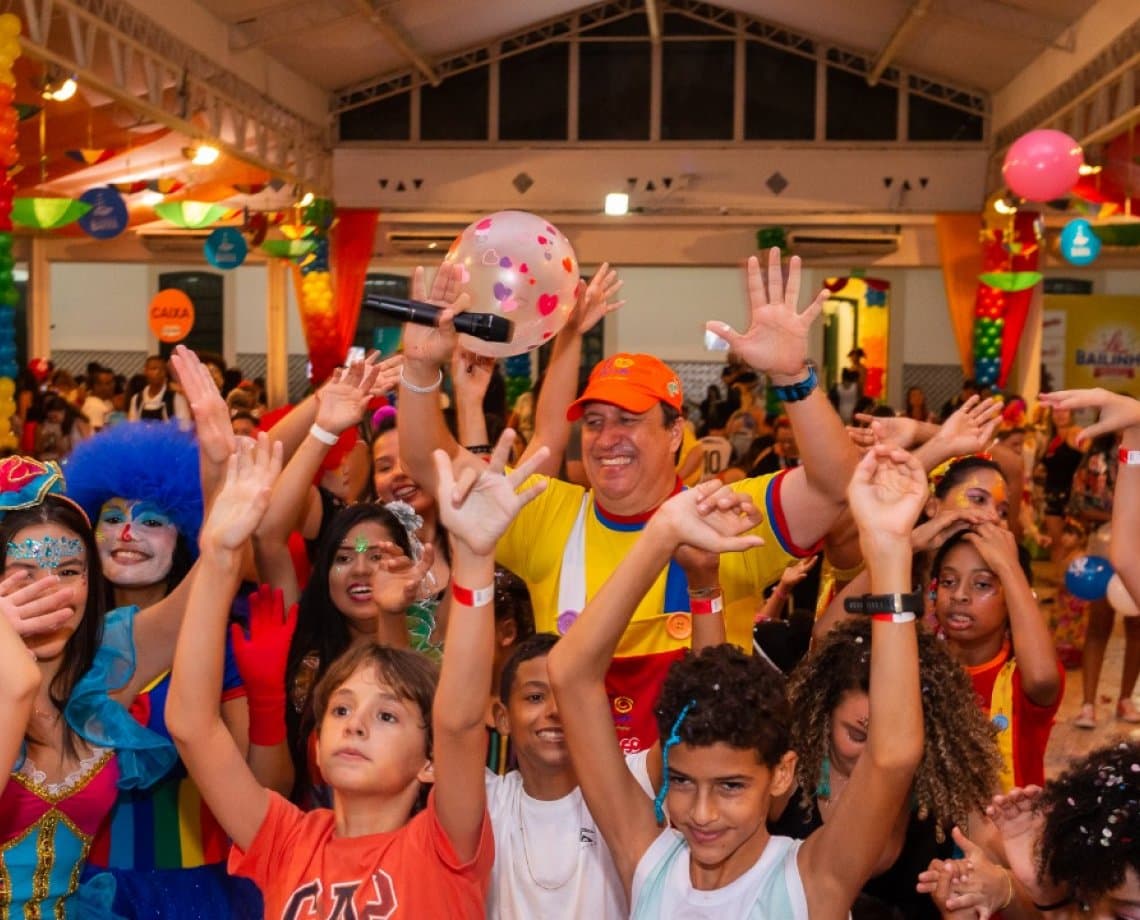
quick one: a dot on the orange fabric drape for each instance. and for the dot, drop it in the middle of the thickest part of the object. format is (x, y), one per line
(961, 257)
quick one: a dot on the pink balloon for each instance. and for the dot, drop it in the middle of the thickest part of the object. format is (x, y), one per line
(1043, 165)
(519, 266)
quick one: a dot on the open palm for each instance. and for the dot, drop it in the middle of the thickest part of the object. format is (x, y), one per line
(776, 341)
(478, 504)
(244, 496)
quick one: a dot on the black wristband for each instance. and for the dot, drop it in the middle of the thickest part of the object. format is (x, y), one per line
(885, 603)
(1056, 905)
(480, 448)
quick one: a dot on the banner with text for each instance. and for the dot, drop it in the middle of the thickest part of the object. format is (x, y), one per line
(1101, 336)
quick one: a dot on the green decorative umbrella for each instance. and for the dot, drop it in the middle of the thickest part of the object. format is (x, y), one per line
(193, 215)
(48, 213)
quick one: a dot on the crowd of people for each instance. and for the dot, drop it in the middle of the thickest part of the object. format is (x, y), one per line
(381, 655)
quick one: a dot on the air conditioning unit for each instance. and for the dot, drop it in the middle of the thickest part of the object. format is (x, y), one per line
(809, 242)
(172, 242)
(422, 242)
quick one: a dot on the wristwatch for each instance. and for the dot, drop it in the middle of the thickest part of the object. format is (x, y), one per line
(885, 603)
(795, 392)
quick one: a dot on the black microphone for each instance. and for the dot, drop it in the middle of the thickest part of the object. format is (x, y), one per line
(489, 327)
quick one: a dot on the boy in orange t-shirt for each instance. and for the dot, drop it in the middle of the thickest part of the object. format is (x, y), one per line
(376, 747)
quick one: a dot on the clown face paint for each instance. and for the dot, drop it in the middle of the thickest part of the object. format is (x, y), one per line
(136, 543)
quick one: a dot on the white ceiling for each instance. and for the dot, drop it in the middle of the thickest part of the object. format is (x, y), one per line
(978, 44)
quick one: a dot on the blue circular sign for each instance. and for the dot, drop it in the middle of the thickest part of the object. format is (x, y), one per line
(1079, 245)
(226, 248)
(108, 216)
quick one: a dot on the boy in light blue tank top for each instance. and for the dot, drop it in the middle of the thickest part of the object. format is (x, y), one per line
(724, 723)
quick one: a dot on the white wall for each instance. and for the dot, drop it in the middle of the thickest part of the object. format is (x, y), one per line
(102, 306)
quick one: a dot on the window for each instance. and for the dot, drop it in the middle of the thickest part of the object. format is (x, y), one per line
(533, 94)
(370, 325)
(205, 291)
(385, 120)
(696, 90)
(858, 112)
(928, 120)
(456, 110)
(613, 91)
(779, 96)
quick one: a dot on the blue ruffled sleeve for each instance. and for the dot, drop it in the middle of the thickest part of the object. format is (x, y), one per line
(143, 757)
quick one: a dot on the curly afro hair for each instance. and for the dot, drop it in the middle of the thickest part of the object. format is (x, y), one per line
(155, 462)
(960, 760)
(1091, 836)
(737, 699)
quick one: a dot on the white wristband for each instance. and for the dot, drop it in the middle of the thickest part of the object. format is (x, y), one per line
(408, 385)
(325, 437)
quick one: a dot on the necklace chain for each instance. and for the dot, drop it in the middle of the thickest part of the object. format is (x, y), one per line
(526, 849)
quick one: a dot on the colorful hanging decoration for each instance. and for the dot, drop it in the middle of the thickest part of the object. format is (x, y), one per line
(108, 216)
(294, 250)
(48, 213)
(9, 293)
(1010, 258)
(517, 370)
(92, 156)
(225, 248)
(191, 215)
(167, 185)
(329, 300)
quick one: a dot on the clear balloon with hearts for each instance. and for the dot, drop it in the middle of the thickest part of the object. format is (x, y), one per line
(519, 266)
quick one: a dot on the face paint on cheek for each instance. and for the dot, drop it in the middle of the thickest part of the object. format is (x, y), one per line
(962, 501)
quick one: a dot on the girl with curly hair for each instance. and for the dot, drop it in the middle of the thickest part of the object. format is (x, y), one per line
(830, 721)
(995, 630)
(1073, 847)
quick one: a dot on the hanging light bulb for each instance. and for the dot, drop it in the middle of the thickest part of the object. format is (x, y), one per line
(201, 154)
(60, 90)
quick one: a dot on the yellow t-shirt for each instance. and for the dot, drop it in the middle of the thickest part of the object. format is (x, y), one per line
(534, 548)
(688, 442)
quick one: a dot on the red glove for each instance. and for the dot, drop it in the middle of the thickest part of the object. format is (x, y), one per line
(261, 662)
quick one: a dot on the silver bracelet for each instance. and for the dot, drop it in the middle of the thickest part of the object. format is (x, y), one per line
(323, 435)
(408, 385)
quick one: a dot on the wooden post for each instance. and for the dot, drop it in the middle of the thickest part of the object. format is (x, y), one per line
(276, 333)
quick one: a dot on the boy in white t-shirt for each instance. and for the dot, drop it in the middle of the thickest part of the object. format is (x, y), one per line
(550, 859)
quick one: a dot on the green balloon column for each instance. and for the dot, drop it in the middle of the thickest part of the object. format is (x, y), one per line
(9, 294)
(516, 369)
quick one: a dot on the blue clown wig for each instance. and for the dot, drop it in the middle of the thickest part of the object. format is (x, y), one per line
(154, 462)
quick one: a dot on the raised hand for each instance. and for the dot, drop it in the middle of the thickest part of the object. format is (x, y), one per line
(1017, 819)
(471, 375)
(477, 505)
(709, 517)
(397, 583)
(970, 428)
(887, 493)
(35, 607)
(797, 572)
(941, 880)
(261, 659)
(594, 300)
(342, 401)
(776, 341)
(244, 496)
(897, 431)
(387, 376)
(434, 345)
(1117, 412)
(216, 438)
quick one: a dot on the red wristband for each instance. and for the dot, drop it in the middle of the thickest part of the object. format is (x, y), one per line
(473, 597)
(1129, 457)
(905, 617)
(714, 604)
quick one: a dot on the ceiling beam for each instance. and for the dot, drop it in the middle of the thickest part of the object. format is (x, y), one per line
(653, 14)
(383, 23)
(894, 44)
(285, 21)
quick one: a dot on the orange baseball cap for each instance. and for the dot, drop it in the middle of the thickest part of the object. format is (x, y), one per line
(635, 383)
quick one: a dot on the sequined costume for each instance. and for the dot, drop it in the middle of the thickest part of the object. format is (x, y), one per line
(46, 829)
